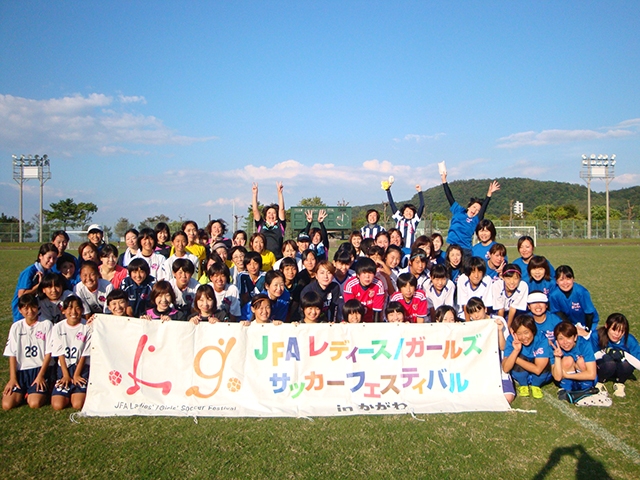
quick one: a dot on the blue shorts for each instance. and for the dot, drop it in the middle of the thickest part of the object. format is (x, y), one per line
(25, 380)
(71, 389)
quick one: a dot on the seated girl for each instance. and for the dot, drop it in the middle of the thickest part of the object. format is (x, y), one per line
(617, 353)
(573, 364)
(526, 356)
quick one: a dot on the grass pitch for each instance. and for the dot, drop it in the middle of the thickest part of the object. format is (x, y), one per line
(559, 441)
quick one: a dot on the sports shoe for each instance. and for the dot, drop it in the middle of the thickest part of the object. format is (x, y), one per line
(523, 390)
(618, 390)
(536, 392)
(601, 386)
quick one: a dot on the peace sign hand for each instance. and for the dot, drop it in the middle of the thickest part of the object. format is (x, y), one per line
(557, 351)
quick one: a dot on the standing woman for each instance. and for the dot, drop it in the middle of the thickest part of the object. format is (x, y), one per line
(272, 222)
(29, 279)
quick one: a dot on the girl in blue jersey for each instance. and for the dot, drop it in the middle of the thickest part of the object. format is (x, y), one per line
(29, 279)
(573, 364)
(525, 249)
(572, 302)
(617, 353)
(453, 261)
(526, 356)
(539, 272)
(464, 220)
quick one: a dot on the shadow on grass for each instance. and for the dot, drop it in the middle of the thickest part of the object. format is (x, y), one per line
(586, 467)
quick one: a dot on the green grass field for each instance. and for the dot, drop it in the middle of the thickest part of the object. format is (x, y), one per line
(559, 441)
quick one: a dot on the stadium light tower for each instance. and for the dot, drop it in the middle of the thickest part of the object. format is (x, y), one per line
(599, 167)
(27, 168)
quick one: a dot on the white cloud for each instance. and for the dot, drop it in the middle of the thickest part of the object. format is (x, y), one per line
(241, 203)
(551, 137)
(132, 99)
(80, 123)
(627, 179)
(412, 137)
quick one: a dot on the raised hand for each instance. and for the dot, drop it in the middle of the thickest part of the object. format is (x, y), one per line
(557, 351)
(418, 188)
(254, 188)
(493, 188)
(309, 215)
(443, 177)
(279, 187)
(322, 214)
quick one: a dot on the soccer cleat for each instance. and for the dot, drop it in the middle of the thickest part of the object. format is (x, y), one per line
(536, 392)
(618, 390)
(523, 390)
(601, 386)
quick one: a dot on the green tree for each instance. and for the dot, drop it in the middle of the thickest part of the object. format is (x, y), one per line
(599, 212)
(67, 213)
(312, 202)
(121, 226)
(151, 222)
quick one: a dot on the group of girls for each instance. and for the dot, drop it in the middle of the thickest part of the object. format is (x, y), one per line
(200, 275)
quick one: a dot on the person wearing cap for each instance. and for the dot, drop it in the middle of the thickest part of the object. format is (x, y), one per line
(538, 304)
(303, 242)
(95, 235)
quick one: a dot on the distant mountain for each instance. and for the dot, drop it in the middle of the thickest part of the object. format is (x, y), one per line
(530, 192)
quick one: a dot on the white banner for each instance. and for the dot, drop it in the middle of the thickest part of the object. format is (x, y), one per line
(141, 367)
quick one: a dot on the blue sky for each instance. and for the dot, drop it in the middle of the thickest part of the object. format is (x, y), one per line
(177, 107)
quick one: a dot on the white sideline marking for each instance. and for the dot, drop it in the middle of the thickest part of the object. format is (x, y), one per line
(613, 441)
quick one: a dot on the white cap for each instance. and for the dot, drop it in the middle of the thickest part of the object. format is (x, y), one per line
(95, 226)
(537, 297)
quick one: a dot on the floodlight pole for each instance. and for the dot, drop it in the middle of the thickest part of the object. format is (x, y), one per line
(601, 167)
(25, 168)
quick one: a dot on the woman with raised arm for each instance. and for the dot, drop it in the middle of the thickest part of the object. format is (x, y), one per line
(272, 221)
(464, 220)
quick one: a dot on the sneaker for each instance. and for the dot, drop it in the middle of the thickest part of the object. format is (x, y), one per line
(536, 392)
(600, 386)
(523, 390)
(618, 390)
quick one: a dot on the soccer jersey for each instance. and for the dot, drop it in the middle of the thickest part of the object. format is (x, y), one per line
(503, 300)
(138, 295)
(467, 291)
(280, 306)
(544, 286)
(155, 261)
(274, 234)
(575, 305)
(582, 349)
(417, 307)
(228, 300)
(94, 302)
(629, 346)
(445, 297)
(28, 343)
(407, 227)
(549, 324)
(165, 272)
(50, 310)
(422, 279)
(372, 297)
(538, 348)
(26, 281)
(330, 297)
(370, 231)
(185, 297)
(462, 227)
(71, 342)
